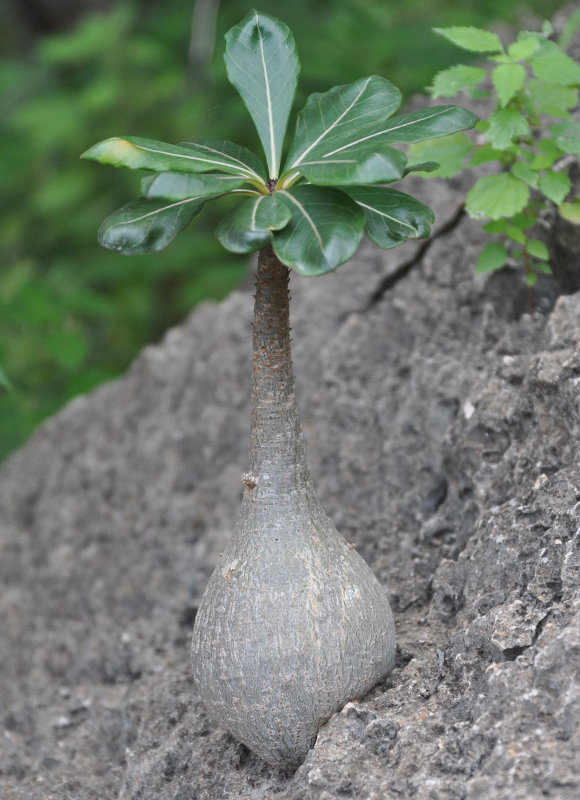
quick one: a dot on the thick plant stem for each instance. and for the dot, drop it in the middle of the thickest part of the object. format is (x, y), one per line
(277, 455)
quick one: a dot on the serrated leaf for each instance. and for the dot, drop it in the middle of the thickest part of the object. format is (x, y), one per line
(337, 118)
(506, 125)
(497, 196)
(516, 234)
(450, 81)
(262, 64)
(555, 186)
(507, 80)
(492, 257)
(523, 48)
(135, 152)
(551, 99)
(537, 249)
(567, 136)
(146, 226)
(496, 226)
(484, 154)
(250, 225)
(473, 39)
(523, 170)
(449, 151)
(554, 66)
(175, 186)
(524, 220)
(570, 211)
(325, 229)
(365, 163)
(392, 217)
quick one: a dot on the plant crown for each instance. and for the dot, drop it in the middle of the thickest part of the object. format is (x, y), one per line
(534, 84)
(314, 204)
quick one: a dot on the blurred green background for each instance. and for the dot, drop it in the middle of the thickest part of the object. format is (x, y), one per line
(73, 72)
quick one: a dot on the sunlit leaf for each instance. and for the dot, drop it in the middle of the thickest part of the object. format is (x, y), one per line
(567, 136)
(138, 153)
(176, 186)
(555, 66)
(507, 80)
(570, 211)
(523, 48)
(146, 226)
(555, 185)
(551, 99)
(451, 80)
(262, 64)
(324, 231)
(492, 257)
(250, 225)
(391, 217)
(473, 39)
(497, 196)
(523, 170)
(505, 125)
(538, 249)
(343, 115)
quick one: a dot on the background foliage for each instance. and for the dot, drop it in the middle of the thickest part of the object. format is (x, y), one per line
(72, 314)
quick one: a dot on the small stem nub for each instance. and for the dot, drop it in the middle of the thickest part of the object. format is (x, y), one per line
(271, 185)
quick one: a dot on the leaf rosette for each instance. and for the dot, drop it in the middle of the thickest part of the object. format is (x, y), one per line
(314, 205)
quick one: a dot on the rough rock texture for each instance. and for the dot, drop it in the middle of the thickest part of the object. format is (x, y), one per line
(442, 425)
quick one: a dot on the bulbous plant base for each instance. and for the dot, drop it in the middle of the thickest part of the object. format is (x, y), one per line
(293, 625)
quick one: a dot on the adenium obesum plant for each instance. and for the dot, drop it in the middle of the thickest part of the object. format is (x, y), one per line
(293, 623)
(533, 83)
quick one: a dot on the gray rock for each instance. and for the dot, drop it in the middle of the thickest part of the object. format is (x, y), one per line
(442, 427)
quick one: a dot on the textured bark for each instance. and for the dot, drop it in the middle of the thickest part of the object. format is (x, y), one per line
(293, 623)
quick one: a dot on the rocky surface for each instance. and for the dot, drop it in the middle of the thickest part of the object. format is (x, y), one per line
(442, 425)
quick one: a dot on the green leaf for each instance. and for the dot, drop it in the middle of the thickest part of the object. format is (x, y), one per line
(496, 226)
(497, 196)
(324, 231)
(138, 153)
(538, 249)
(473, 39)
(523, 49)
(449, 81)
(428, 123)
(555, 186)
(551, 99)
(570, 28)
(554, 66)
(505, 126)
(567, 136)
(541, 266)
(449, 152)
(250, 225)
(422, 166)
(524, 171)
(531, 278)
(523, 220)
(356, 165)
(176, 186)
(334, 120)
(262, 64)
(570, 211)
(516, 234)
(392, 217)
(492, 257)
(484, 154)
(146, 226)
(508, 79)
